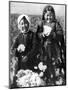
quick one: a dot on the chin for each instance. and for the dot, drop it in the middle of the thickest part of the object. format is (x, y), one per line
(48, 21)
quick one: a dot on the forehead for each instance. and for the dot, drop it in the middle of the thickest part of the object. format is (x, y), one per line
(23, 21)
(48, 12)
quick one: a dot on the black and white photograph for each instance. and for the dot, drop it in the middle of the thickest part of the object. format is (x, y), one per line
(37, 44)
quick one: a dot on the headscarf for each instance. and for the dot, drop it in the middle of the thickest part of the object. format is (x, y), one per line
(20, 18)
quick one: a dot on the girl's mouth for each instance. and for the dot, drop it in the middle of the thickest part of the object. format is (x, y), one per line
(49, 20)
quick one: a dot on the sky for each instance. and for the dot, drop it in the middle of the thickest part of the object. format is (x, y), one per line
(34, 8)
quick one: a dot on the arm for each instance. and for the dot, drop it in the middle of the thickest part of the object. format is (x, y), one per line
(59, 34)
(15, 44)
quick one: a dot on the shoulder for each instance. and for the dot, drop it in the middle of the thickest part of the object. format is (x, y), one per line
(58, 26)
(19, 36)
(59, 29)
(40, 27)
(40, 23)
(31, 34)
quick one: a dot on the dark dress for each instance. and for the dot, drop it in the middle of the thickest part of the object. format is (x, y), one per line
(31, 44)
(31, 49)
(52, 47)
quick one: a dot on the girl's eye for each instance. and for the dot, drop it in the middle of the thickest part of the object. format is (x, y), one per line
(22, 23)
(47, 15)
(51, 14)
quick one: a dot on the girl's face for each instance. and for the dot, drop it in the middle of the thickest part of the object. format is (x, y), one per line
(49, 16)
(24, 25)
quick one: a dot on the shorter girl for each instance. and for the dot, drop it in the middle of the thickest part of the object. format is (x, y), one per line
(24, 45)
(52, 39)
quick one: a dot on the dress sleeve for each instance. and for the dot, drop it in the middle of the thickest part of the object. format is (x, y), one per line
(40, 27)
(15, 44)
(59, 33)
(60, 36)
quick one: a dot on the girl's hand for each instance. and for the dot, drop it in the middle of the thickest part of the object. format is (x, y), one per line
(47, 34)
(40, 66)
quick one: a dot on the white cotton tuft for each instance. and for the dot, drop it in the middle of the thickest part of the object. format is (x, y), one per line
(47, 30)
(21, 47)
(42, 67)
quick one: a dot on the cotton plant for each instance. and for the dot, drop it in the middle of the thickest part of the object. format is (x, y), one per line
(60, 81)
(42, 68)
(13, 64)
(35, 80)
(28, 78)
(57, 71)
(62, 71)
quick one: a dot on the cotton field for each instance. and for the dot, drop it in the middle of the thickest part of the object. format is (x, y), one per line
(29, 78)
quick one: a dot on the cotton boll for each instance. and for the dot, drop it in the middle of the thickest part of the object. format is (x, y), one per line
(23, 81)
(27, 71)
(47, 30)
(41, 74)
(59, 82)
(20, 73)
(57, 72)
(40, 66)
(35, 67)
(29, 79)
(38, 80)
(62, 71)
(44, 68)
(33, 77)
(32, 80)
(21, 48)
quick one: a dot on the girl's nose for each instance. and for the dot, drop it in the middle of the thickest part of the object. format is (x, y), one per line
(49, 17)
(23, 25)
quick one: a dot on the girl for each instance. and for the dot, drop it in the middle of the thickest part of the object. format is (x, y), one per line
(25, 47)
(25, 44)
(51, 36)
